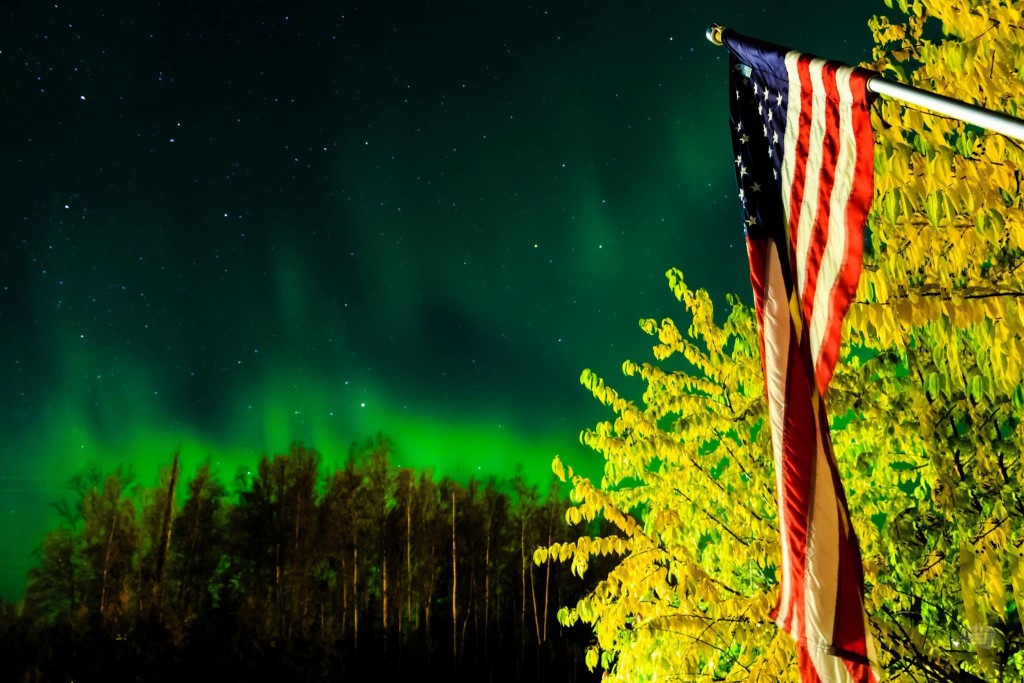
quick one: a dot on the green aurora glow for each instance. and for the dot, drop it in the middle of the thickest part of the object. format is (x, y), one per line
(231, 229)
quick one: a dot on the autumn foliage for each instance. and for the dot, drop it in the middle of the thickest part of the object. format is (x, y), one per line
(926, 409)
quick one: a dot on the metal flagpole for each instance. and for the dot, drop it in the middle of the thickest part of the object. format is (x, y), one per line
(940, 104)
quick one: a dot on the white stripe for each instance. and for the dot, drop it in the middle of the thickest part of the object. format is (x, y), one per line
(835, 250)
(776, 326)
(869, 645)
(821, 571)
(829, 667)
(792, 132)
(812, 178)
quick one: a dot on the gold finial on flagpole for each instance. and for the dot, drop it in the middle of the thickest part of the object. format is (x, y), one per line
(714, 33)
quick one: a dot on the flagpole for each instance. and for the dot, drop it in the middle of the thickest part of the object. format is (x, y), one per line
(940, 104)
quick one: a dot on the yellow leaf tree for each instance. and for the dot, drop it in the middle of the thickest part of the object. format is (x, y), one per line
(926, 406)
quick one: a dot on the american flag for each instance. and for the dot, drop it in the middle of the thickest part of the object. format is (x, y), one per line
(804, 164)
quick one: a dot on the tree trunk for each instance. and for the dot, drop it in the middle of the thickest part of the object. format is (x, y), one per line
(487, 593)
(547, 578)
(533, 599)
(429, 598)
(186, 589)
(106, 568)
(277, 590)
(344, 597)
(522, 566)
(72, 593)
(382, 535)
(296, 595)
(470, 612)
(408, 555)
(455, 621)
(165, 537)
(355, 597)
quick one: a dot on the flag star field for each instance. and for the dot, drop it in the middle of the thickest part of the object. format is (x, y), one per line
(232, 226)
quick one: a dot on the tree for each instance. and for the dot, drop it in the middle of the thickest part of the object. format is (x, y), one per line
(526, 499)
(273, 538)
(496, 538)
(403, 512)
(198, 545)
(926, 414)
(156, 531)
(342, 522)
(110, 538)
(687, 487)
(55, 586)
(380, 490)
(430, 545)
(947, 331)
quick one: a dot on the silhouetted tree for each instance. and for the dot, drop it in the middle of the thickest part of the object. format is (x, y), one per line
(341, 521)
(55, 586)
(110, 538)
(155, 539)
(297, 575)
(197, 548)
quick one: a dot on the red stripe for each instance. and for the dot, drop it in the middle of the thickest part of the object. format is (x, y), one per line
(856, 212)
(799, 440)
(758, 282)
(794, 496)
(826, 181)
(796, 197)
(798, 445)
(808, 674)
(848, 636)
(860, 672)
(799, 453)
(801, 450)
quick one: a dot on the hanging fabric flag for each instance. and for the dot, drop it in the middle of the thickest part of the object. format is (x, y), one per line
(804, 163)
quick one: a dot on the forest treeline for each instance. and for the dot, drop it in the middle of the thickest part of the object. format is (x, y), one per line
(295, 573)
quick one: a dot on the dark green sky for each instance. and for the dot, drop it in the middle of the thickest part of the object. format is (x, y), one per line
(229, 228)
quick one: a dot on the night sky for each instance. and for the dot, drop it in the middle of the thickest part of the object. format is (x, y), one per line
(231, 228)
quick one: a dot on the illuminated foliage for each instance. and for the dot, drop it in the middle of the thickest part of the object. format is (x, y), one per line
(926, 407)
(688, 486)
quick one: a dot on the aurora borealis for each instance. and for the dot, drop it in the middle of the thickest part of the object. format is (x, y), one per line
(235, 226)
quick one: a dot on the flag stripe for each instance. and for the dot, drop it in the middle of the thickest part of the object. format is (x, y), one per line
(805, 218)
(789, 154)
(826, 667)
(858, 201)
(802, 154)
(822, 567)
(825, 239)
(775, 352)
(824, 317)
